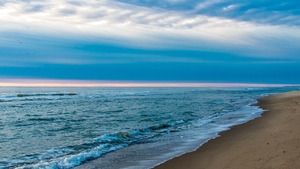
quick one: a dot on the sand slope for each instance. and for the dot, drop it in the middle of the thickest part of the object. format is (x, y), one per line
(269, 142)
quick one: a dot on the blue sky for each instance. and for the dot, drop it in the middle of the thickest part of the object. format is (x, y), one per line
(149, 40)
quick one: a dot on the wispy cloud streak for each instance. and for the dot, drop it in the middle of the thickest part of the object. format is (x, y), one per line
(275, 12)
(142, 26)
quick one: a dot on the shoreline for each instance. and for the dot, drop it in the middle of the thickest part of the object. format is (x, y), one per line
(270, 141)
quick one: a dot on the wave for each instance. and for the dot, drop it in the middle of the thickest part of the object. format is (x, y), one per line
(46, 94)
(104, 144)
(42, 119)
(138, 134)
(72, 156)
(2, 100)
(75, 159)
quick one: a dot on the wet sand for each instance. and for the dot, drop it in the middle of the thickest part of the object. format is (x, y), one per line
(269, 142)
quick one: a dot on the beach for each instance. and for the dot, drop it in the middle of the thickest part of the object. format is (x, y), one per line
(144, 127)
(268, 142)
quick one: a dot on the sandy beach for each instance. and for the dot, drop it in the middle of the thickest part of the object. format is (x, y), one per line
(269, 142)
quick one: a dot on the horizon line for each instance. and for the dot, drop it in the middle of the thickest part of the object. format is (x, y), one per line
(91, 83)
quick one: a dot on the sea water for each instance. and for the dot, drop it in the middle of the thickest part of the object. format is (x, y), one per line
(116, 127)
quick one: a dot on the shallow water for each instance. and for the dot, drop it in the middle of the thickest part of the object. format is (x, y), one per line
(66, 127)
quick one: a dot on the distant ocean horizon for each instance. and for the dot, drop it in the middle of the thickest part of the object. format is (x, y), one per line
(114, 83)
(117, 127)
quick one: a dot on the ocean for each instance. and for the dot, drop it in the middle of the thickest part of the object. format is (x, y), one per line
(60, 128)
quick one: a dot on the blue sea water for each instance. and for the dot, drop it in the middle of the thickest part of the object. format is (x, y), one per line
(119, 127)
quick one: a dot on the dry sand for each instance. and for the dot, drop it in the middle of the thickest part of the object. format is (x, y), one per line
(269, 142)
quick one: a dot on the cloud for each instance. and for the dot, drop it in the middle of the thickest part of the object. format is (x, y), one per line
(229, 8)
(66, 12)
(244, 9)
(205, 5)
(160, 24)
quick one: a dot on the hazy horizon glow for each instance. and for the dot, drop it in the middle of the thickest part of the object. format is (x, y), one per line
(76, 83)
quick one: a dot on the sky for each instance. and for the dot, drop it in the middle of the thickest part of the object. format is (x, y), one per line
(186, 41)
